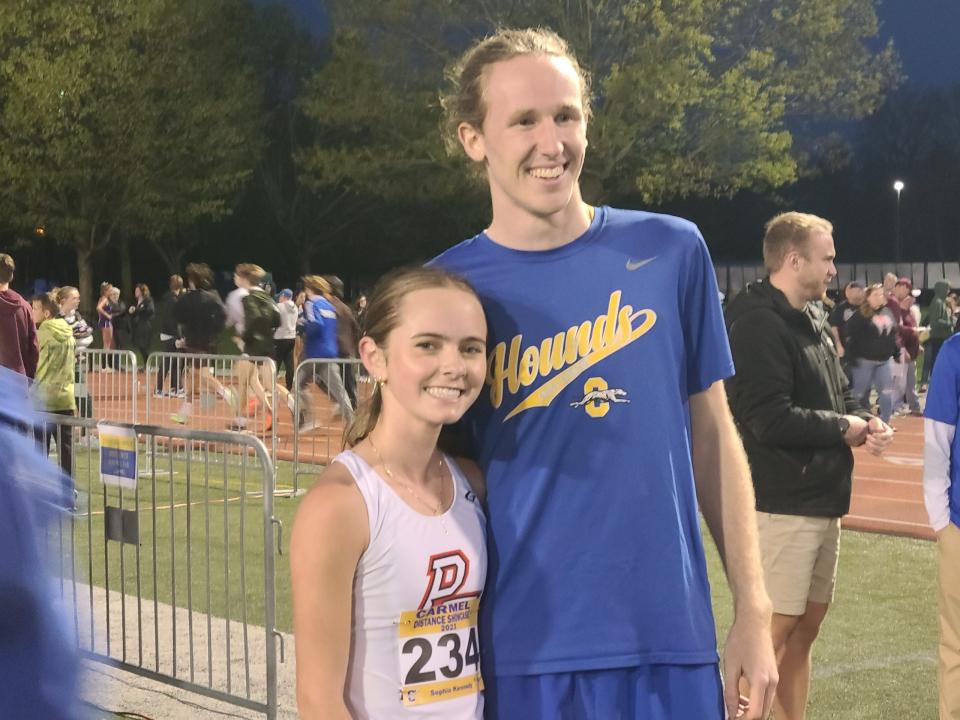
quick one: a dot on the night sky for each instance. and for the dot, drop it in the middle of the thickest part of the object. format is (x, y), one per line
(925, 32)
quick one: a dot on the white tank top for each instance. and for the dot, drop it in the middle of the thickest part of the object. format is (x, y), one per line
(415, 649)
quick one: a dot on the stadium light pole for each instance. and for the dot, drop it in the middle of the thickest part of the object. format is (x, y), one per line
(898, 186)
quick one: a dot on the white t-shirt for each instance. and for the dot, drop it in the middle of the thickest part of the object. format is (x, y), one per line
(234, 307)
(288, 321)
(416, 593)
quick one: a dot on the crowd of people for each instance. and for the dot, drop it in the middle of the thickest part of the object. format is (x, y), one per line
(512, 531)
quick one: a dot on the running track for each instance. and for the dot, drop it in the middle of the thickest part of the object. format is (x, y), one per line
(887, 490)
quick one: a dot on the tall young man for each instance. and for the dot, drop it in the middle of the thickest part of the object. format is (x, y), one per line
(798, 419)
(603, 423)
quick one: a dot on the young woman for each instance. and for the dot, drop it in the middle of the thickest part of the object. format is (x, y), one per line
(68, 300)
(105, 318)
(319, 324)
(387, 554)
(141, 316)
(871, 347)
(54, 382)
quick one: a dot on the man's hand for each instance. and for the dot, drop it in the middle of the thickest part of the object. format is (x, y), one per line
(237, 341)
(840, 351)
(857, 432)
(879, 435)
(748, 655)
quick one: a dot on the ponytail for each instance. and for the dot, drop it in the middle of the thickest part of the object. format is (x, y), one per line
(366, 417)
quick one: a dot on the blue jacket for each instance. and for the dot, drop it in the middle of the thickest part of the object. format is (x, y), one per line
(38, 662)
(319, 329)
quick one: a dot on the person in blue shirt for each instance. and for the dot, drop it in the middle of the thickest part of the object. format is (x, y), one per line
(319, 327)
(941, 494)
(38, 664)
(604, 426)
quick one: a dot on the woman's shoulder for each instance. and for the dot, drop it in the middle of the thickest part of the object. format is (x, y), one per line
(333, 492)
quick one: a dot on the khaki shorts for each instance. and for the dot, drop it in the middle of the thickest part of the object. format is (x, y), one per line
(799, 556)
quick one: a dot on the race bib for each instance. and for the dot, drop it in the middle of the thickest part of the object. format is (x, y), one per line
(439, 652)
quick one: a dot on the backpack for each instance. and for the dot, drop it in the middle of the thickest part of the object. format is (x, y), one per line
(261, 317)
(211, 316)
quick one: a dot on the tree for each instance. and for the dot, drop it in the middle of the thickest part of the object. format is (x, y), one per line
(374, 141)
(692, 97)
(123, 117)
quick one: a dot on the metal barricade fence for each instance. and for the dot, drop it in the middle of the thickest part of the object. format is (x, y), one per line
(326, 393)
(216, 392)
(106, 385)
(167, 562)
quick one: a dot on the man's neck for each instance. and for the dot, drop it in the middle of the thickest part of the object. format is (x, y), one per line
(4, 287)
(795, 296)
(516, 228)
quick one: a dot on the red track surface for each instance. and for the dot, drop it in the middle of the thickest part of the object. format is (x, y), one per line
(888, 490)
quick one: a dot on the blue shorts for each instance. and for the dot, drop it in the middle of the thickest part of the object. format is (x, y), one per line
(647, 692)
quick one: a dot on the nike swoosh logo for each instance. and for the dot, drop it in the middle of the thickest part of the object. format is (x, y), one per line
(631, 265)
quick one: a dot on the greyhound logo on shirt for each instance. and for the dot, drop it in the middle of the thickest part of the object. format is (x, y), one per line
(610, 395)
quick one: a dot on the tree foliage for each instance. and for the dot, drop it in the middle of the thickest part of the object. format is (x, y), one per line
(134, 117)
(692, 97)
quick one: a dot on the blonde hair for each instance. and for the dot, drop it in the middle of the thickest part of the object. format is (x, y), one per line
(382, 316)
(253, 274)
(317, 285)
(464, 103)
(7, 266)
(789, 231)
(60, 294)
(866, 309)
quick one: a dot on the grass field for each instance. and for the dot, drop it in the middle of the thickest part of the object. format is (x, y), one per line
(874, 658)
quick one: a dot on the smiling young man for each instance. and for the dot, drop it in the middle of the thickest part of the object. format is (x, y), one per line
(604, 421)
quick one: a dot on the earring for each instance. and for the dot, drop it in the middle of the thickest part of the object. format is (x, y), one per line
(381, 381)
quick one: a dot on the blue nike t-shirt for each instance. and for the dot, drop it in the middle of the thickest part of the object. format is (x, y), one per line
(583, 432)
(943, 405)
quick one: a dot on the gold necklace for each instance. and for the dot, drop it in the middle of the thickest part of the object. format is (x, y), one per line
(435, 509)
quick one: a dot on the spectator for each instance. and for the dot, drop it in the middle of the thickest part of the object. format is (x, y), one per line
(361, 309)
(141, 315)
(908, 339)
(852, 298)
(941, 327)
(941, 494)
(798, 421)
(285, 337)
(19, 348)
(118, 315)
(68, 300)
(54, 382)
(169, 332)
(871, 348)
(105, 319)
(348, 335)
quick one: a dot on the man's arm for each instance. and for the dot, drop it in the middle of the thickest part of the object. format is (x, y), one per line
(725, 494)
(937, 441)
(762, 391)
(835, 331)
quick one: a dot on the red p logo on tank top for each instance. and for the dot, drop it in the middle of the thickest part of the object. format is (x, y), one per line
(447, 573)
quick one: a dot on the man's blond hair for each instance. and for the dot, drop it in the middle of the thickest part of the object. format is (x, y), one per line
(790, 231)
